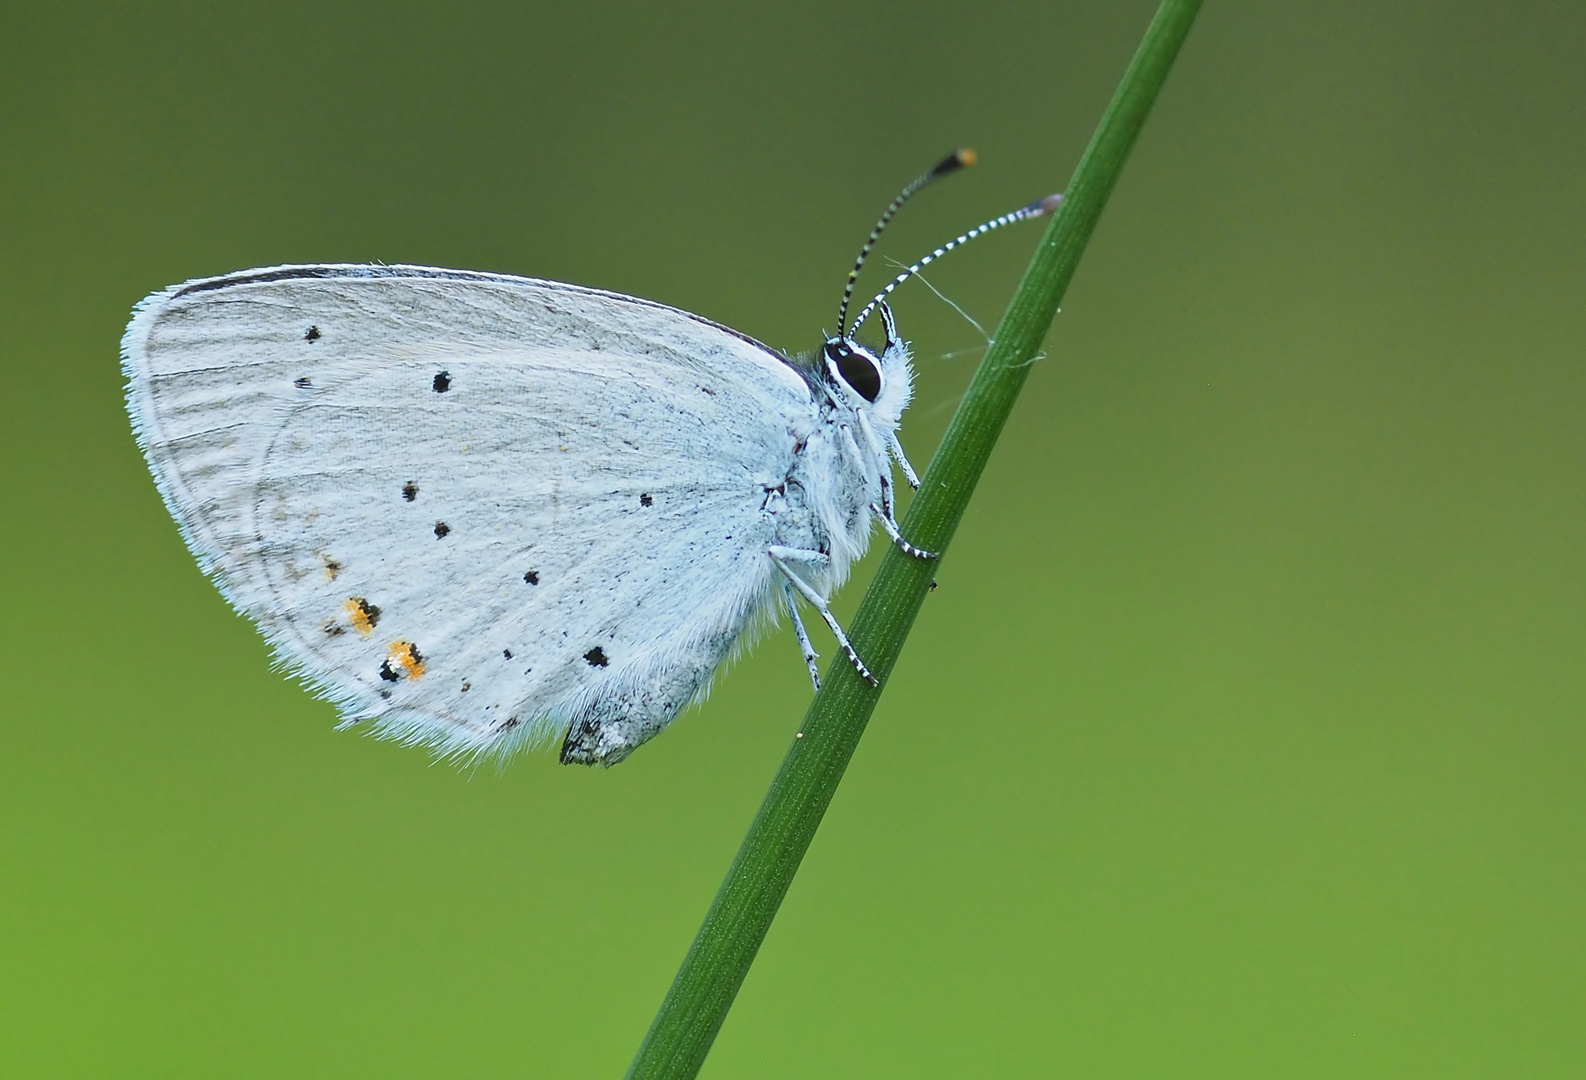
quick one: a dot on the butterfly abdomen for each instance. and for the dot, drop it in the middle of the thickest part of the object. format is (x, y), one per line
(615, 719)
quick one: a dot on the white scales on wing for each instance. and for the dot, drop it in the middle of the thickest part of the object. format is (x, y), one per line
(481, 511)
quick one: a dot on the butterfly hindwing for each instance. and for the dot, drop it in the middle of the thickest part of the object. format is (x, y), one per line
(472, 508)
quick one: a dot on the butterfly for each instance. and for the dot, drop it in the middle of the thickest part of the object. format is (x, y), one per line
(478, 512)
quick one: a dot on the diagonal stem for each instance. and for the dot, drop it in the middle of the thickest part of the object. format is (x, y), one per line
(703, 991)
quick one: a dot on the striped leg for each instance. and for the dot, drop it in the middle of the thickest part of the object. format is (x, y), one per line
(810, 655)
(781, 556)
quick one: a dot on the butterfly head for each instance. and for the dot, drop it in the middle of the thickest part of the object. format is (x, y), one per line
(877, 382)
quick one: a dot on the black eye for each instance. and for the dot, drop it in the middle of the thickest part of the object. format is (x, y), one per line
(856, 369)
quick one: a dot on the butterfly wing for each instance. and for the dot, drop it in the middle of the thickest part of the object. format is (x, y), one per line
(471, 508)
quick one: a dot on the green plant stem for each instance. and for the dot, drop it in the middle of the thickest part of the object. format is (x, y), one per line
(703, 991)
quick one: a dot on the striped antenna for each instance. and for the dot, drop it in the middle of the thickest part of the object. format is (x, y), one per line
(958, 159)
(1036, 209)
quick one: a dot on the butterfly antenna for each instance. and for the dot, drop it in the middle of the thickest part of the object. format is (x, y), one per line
(1034, 210)
(958, 159)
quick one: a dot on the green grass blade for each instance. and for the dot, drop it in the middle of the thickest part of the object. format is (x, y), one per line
(703, 991)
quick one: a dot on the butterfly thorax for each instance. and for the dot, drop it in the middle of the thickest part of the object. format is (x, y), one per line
(836, 474)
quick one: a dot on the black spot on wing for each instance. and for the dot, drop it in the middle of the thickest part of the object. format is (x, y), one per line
(443, 382)
(532, 577)
(596, 657)
(441, 529)
(387, 672)
(507, 653)
(645, 500)
(410, 491)
(312, 335)
(303, 382)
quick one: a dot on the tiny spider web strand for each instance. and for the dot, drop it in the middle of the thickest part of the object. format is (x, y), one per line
(1033, 210)
(966, 316)
(958, 159)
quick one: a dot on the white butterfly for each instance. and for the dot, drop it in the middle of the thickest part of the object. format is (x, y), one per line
(479, 511)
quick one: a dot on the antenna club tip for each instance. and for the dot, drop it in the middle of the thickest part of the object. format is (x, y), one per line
(1048, 204)
(958, 159)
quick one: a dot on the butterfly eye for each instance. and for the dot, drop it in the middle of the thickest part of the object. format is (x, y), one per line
(856, 369)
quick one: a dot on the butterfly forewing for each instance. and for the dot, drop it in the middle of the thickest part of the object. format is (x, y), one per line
(466, 505)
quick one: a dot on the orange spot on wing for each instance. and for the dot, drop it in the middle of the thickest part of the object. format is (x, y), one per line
(361, 614)
(406, 654)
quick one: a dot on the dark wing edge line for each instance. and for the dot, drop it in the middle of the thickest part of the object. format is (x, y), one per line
(400, 271)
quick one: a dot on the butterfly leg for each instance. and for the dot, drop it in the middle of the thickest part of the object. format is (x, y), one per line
(781, 556)
(883, 466)
(810, 655)
(890, 527)
(903, 462)
(883, 513)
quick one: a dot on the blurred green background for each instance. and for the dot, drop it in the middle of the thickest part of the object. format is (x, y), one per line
(1242, 738)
